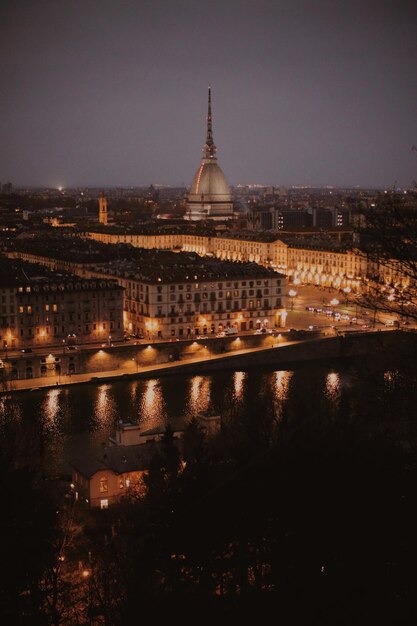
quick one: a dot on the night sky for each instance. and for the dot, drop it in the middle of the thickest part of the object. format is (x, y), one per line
(113, 92)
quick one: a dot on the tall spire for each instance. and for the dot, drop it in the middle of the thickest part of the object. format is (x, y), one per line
(209, 147)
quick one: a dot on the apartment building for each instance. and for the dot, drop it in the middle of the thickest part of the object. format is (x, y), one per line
(40, 307)
(168, 294)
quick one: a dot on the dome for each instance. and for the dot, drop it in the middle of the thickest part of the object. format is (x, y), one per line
(209, 196)
(209, 182)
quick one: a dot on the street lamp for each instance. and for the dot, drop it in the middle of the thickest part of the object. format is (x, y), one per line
(292, 293)
(136, 361)
(109, 340)
(5, 349)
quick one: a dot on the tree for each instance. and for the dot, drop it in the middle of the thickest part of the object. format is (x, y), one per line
(389, 241)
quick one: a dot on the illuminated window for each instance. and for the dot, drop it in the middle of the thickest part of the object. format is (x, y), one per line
(55, 308)
(46, 307)
(103, 485)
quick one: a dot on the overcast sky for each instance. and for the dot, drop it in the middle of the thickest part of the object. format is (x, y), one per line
(113, 92)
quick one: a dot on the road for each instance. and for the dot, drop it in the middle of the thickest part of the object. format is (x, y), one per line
(329, 300)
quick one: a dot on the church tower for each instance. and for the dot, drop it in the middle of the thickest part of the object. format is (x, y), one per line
(102, 209)
(209, 197)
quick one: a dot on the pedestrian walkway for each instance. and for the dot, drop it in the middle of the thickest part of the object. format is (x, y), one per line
(29, 384)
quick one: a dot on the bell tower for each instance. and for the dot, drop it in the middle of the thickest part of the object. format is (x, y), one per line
(102, 209)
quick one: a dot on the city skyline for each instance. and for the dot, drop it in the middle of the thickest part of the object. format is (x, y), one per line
(303, 93)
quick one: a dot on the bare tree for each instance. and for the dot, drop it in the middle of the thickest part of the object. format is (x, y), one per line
(389, 241)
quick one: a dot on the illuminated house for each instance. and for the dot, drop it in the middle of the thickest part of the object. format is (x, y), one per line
(103, 479)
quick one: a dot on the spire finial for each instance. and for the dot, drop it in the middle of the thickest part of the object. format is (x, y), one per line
(209, 148)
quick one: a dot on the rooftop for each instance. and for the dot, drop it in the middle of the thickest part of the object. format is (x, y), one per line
(14, 272)
(150, 266)
(119, 459)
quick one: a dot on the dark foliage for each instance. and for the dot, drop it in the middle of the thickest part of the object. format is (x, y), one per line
(28, 535)
(315, 523)
(389, 239)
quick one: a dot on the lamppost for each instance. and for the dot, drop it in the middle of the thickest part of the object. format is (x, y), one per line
(5, 349)
(109, 340)
(136, 361)
(292, 293)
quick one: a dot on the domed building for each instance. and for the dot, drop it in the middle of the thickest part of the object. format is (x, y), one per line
(209, 197)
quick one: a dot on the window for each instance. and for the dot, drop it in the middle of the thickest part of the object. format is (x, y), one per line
(103, 485)
(104, 504)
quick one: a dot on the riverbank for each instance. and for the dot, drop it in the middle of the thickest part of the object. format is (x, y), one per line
(281, 353)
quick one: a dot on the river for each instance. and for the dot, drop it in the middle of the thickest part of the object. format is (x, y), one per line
(47, 427)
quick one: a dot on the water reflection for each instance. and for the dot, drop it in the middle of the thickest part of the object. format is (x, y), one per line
(333, 386)
(50, 408)
(10, 411)
(199, 396)
(238, 384)
(281, 384)
(390, 377)
(68, 420)
(151, 404)
(105, 408)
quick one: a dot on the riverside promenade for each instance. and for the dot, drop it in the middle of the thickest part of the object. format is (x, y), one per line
(285, 353)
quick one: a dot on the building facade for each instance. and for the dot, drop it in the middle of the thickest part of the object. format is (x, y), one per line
(43, 308)
(173, 295)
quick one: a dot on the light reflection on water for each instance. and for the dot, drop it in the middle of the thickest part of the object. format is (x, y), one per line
(238, 384)
(333, 386)
(79, 417)
(199, 394)
(151, 405)
(50, 408)
(105, 408)
(281, 384)
(9, 411)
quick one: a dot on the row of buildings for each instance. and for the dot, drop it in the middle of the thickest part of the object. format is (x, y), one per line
(165, 294)
(324, 261)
